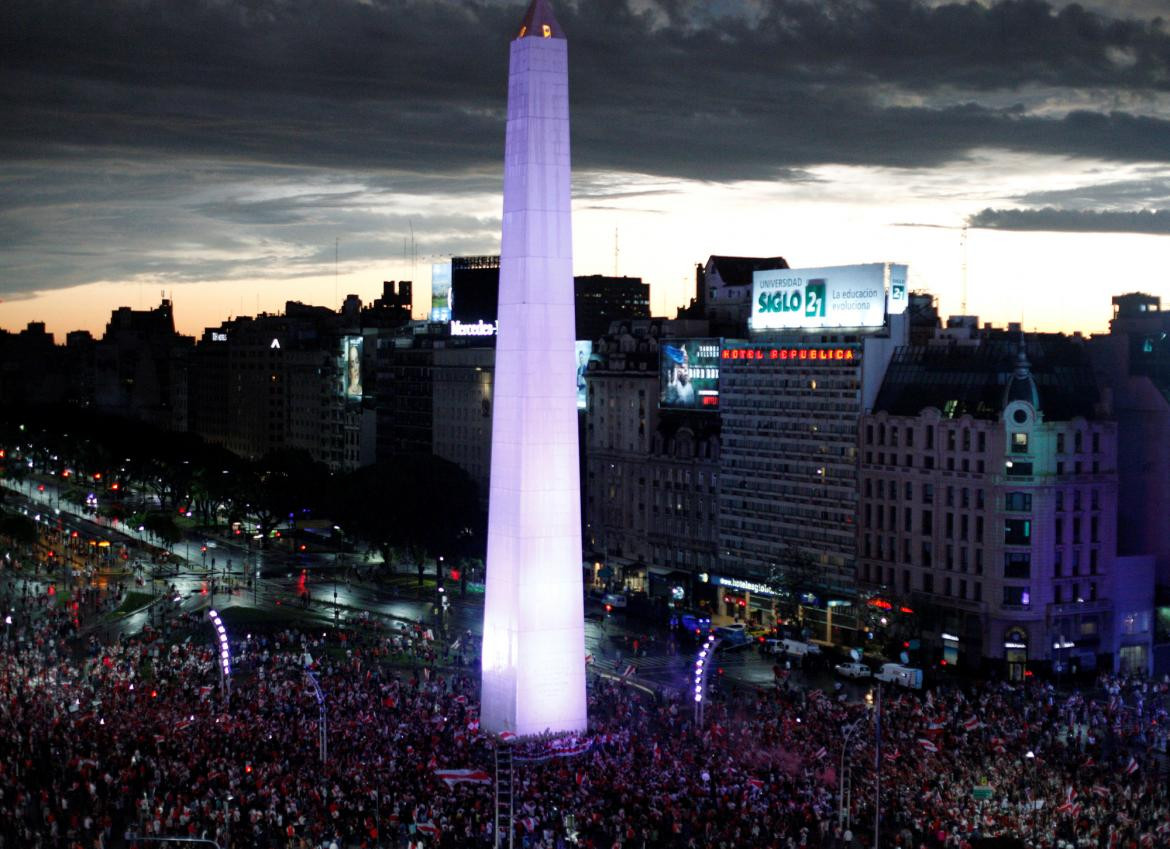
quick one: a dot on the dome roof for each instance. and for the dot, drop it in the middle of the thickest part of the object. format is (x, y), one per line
(1021, 386)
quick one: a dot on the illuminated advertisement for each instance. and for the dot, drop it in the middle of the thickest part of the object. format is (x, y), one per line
(813, 355)
(441, 291)
(351, 372)
(584, 351)
(897, 300)
(689, 374)
(836, 296)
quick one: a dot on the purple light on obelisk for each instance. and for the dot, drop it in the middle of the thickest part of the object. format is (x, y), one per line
(533, 625)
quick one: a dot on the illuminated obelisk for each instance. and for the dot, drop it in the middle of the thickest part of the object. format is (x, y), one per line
(533, 626)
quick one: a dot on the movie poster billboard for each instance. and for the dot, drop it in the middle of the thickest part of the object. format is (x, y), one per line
(834, 296)
(441, 291)
(689, 374)
(584, 351)
(351, 367)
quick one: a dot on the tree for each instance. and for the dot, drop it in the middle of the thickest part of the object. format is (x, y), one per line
(420, 505)
(163, 526)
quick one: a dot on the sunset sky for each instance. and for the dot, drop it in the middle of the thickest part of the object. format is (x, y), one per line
(219, 150)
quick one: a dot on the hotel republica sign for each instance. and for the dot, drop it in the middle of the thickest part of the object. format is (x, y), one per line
(833, 296)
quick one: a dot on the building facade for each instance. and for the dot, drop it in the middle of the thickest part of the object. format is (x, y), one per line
(988, 491)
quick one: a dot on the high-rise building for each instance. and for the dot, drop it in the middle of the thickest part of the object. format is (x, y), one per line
(533, 634)
(790, 398)
(601, 300)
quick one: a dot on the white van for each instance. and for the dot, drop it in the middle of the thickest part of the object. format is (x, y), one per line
(903, 676)
(800, 649)
(614, 600)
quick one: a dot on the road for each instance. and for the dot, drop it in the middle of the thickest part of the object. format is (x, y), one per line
(273, 580)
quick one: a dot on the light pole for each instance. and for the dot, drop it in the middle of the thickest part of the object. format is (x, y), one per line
(877, 766)
(322, 722)
(1030, 757)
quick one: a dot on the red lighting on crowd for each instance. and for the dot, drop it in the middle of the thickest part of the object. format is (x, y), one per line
(880, 603)
(904, 609)
(844, 354)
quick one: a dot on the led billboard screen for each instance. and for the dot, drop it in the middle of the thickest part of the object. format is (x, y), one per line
(689, 374)
(835, 296)
(584, 351)
(351, 370)
(441, 291)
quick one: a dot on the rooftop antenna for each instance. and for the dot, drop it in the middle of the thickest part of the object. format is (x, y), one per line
(336, 247)
(616, 251)
(413, 249)
(963, 251)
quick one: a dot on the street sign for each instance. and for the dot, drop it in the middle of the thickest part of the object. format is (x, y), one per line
(981, 793)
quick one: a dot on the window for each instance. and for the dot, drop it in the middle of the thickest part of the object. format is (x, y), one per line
(1019, 502)
(966, 445)
(930, 436)
(1094, 529)
(978, 591)
(1057, 563)
(982, 441)
(1017, 532)
(950, 525)
(979, 498)
(1059, 501)
(908, 520)
(978, 562)
(1017, 564)
(909, 437)
(1060, 443)
(1078, 442)
(909, 492)
(950, 496)
(1095, 499)
(1076, 529)
(964, 521)
(965, 498)
(1016, 596)
(1096, 443)
(1092, 561)
(927, 524)
(947, 586)
(928, 493)
(1017, 469)
(927, 582)
(962, 588)
(1019, 443)
(1056, 594)
(927, 553)
(950, 440)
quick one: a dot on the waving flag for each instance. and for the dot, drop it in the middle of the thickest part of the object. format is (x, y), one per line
(463, 776)
(927, 745)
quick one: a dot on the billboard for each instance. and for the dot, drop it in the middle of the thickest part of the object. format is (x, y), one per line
(897, 301)
(441, 291)
(688, 374)
(834, 296)
(584, 351)
(351, 367)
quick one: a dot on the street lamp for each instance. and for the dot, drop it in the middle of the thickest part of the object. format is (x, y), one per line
(1030, 757)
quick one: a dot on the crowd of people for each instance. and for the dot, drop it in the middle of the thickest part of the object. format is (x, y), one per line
(108, 743)
(141, 738)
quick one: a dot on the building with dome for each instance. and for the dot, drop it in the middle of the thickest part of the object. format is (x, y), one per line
(987, 520)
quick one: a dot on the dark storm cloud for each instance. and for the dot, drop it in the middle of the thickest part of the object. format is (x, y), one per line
(418, 86)
(1150, 222)
(119, 115)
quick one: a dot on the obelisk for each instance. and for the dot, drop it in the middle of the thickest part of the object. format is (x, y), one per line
(533, 627)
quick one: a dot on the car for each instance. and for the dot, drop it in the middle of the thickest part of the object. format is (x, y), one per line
(772, 645)
(853, 670)
(733, 635)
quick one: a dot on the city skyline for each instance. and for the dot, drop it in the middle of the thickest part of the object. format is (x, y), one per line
(220, 154)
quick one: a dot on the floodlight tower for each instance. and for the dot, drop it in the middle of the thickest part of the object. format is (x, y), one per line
(534, 630)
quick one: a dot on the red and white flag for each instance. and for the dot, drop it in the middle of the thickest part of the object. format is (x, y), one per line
(1100, 791)
(1132, 767)
(463, 776)
(820, 753)
(507, 735)
(630, 670)
(971, 724)
(428, 827)
(528, 822)
(927, 745)
(473, 725)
